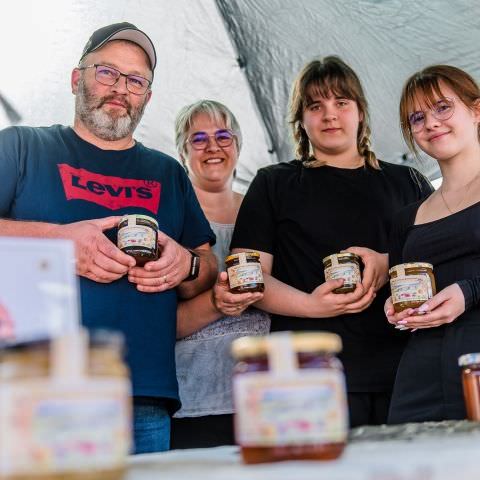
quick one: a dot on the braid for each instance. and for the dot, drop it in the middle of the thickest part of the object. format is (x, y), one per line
(302, 144)
(364, 144)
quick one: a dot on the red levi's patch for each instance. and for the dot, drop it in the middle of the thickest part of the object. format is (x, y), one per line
(110, 192)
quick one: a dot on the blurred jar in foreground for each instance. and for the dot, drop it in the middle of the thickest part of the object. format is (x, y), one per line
(470, 364)
(290, 397)
(65, 409)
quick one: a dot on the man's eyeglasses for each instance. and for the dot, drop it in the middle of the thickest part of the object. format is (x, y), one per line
(109, 76)
(200, 140)
(441, 110)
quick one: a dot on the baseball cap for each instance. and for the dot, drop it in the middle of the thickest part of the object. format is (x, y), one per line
(121, 31)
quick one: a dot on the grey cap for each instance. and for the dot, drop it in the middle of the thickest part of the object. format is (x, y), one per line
(121, 31)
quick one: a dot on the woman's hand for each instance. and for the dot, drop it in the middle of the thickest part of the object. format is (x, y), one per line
(231, 303)
(323, 302)
(375, 270)
(444, 307)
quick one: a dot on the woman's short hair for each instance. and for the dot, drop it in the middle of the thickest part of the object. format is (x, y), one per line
(217, 112)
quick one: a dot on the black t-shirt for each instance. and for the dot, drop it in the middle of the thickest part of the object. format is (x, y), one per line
(301, 215)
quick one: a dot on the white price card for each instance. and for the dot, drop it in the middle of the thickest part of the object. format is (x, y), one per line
(39, 294)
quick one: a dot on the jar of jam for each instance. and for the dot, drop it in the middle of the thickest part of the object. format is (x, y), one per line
(470, 364)
(244, 272)
(65, 409)
(411, 284)
(344, 266)
(290, 397)
(137, 236)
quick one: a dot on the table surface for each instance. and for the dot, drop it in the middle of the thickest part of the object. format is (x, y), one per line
(430, 451)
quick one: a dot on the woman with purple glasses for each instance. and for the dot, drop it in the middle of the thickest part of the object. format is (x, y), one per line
(208, 139)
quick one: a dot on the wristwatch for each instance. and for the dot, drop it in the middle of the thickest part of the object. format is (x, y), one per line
(194, 266)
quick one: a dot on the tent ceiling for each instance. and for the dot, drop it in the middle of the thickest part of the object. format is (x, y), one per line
(200, 43)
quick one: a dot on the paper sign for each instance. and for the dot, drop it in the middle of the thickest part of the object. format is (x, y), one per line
(39, 295)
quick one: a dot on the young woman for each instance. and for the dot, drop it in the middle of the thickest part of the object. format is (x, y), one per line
(335, 195)
(209, 139)
(440, 114)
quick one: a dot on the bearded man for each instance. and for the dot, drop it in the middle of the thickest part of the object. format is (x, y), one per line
(75, 183)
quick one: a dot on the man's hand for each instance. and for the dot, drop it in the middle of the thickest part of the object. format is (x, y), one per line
(97, 257)
(167, 272)
(324, 303)
(231, 303)
(375, 272)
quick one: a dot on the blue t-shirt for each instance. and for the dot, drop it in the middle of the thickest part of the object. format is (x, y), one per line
(50, 174)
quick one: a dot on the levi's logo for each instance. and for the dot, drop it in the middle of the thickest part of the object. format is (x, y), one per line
(110, 192)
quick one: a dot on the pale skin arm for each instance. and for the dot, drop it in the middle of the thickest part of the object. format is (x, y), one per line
(200, 311)
(280, 298)
(444, 307)
(173, 266)
(97, 258)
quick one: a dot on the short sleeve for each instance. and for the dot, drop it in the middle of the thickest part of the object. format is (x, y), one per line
(255, 225)
(196, 229)
(10, 168)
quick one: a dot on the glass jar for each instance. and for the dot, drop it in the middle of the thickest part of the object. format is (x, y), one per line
(137, 237)
(470, 364)
(289, 397)
(344, 266)
(56, 426)
(245, 272)
(411, 284)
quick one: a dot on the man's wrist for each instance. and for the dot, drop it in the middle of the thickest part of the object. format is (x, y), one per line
(194, 268)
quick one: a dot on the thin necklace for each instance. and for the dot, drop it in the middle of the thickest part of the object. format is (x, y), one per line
(467, 188)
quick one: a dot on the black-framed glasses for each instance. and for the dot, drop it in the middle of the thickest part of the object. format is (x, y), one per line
(200, 140)
(109, 76)
(441, 110)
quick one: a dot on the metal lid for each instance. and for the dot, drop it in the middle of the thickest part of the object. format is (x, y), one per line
(234, 256)
(143, 217)
(411, 265)
(307, 342)
(469, 359)
(351, 256)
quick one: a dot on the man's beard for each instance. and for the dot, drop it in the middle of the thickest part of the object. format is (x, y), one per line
(106, 125)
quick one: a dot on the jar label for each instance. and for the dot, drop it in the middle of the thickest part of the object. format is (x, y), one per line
(244, 274)
(309, 408)
(411, 288)
(54, 427)
(350, 272)
(136, 236)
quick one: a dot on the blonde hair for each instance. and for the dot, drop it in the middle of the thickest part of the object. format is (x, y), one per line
(426, 84)
(216, 111)
(326, 76)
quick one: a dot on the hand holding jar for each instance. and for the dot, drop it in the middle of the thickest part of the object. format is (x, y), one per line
(231, 303)
(375, 267)
(324, 302)
(444, 307)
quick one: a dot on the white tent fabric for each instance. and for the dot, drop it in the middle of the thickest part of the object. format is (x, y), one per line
(244, 53)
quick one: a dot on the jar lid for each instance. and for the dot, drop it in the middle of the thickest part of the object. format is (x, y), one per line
(469, 359)
(251, 255)
(143, 217)
(306, 342)
(410, 265)
(348, 255)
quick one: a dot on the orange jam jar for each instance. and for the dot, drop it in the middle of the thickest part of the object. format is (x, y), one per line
(470, 364)
(290, 397)
(411, 284)
(66, 409)
(344, 266)
(244, 272)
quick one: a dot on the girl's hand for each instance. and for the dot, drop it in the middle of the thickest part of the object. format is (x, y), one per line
(375, 270)
(444, 307)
